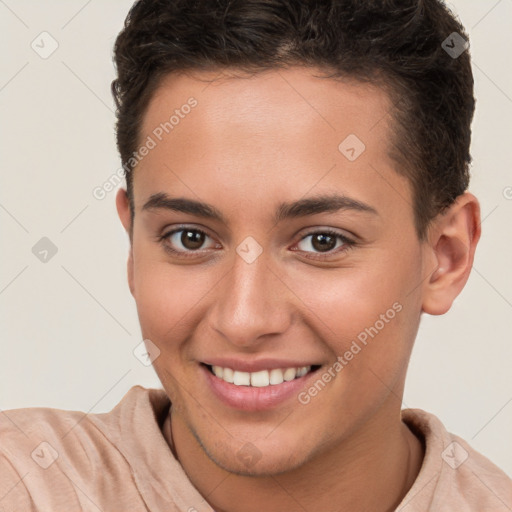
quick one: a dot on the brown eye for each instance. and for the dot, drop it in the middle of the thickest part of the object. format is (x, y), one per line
(186, 241)
(191, 239)
(324, 242)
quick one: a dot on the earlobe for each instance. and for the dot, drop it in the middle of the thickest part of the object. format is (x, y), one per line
(123, 210)
(453, 238)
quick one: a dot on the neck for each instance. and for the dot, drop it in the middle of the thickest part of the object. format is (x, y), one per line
(372, 469)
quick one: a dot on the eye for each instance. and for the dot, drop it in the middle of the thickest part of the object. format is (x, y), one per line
(185, 241)
(326, 242)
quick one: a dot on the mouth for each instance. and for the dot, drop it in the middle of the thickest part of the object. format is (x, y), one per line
(256, 384)
(261, 378)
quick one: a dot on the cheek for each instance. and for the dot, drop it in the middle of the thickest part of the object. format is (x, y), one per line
(368, 319)
(374, 304)
(169, 297)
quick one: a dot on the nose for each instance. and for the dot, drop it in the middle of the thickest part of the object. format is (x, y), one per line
(251, 304)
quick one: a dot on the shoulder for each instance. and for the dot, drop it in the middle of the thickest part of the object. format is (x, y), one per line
(44, 449)
(454, 476)
(34, 433)
(22, 428)
(31, 441)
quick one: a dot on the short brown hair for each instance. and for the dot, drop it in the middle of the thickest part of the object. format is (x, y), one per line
(397, 44)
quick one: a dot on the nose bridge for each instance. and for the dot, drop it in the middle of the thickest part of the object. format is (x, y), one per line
(250, 302)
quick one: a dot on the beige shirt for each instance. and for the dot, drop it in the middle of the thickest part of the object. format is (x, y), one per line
(67, 461)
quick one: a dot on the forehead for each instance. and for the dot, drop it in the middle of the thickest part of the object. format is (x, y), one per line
(273, 98)
(283, 128)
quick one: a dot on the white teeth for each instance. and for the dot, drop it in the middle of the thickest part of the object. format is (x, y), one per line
(218, 371)
(302, 371)
(262, 378)
(289, 374)
(276, 376)
(227, 375)
(242, 379)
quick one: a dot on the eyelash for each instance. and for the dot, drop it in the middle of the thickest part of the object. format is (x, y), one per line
(347, 242)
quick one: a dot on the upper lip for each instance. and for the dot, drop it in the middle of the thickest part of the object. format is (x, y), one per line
(256, 365)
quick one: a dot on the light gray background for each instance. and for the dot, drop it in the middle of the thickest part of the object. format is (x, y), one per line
(69, 326)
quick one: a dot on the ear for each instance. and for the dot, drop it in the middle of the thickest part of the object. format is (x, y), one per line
(123, 210)
(452, 240)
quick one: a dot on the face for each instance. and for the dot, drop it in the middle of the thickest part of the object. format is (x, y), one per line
(267, 239)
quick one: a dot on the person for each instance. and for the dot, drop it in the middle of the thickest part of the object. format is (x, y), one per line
(296, 199)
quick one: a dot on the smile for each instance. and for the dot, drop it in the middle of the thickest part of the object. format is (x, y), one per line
(262, 378)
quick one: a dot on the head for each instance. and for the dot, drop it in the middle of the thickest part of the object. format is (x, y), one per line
(296, 193)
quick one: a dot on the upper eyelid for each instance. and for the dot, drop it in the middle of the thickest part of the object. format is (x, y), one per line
(167, 233)
(333, 231)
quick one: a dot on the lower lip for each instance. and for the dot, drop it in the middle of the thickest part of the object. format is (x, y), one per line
(248, 398)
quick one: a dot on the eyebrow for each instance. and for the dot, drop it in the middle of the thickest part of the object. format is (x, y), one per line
(295, 209)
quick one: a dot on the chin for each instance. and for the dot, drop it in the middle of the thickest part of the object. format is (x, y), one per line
(270, 464)
(247, 459)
